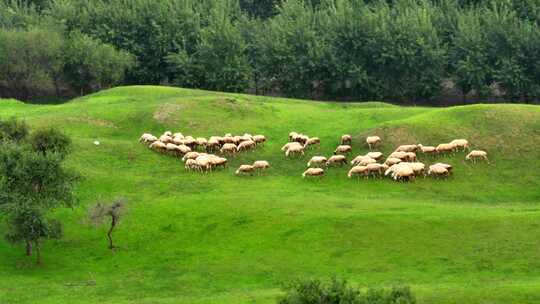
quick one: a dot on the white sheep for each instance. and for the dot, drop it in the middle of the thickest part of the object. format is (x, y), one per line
(218, 162)
(392, 161)
(376, 169)
(261, 165)
(366, 161)
(417, 167)
(438, 171)
(357, 159)
(191, 165)
(290, 144)
(475, 155)
(228, 148)
(373, 141)
(158, 146)
(346, 139)
(165, 139)
(259, 139)
(343, 149)
(375, 155)
(407, 148)
(190, 155)
(245, 169)
(295, 150)
(336, 160)
(317, 161)
(461, 143)
(179, 135)
(400, 172)
(246, 145)
(446, 148)
(312, 172)
(292, 135)
(446, 166)
(168, 133)
(427, 149)
(147, 138)
(312, 141)
(357, 171)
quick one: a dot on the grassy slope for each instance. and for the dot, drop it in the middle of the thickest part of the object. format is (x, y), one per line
(222, 239)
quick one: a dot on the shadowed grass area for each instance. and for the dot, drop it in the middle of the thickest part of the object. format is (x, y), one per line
(218, 238)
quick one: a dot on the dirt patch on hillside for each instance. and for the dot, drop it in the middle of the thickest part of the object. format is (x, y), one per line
(167, 113)
(92, 121)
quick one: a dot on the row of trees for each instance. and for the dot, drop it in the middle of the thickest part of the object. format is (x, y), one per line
(400, 50)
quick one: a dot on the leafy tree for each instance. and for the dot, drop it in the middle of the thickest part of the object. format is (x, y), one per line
(30, 61)
(219, 61)
(31, 186)
(260, 8)
(90, 65)
(113, 211)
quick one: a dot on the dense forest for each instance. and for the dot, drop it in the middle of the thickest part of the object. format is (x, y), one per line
(397, 50)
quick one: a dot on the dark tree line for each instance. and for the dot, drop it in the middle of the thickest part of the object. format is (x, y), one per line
(399, 50)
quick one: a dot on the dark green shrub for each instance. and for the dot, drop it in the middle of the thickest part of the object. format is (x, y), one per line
(13, 130)
(50, 141)
(340, 292)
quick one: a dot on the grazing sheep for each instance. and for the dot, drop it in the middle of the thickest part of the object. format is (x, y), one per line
(373, 141)
(183, 149)
(259, 139)
(237, 139)
(261, 165)
(357, 171)
(438, 171)
(427, 149)
(292, 135)
(246, 145)
(158, 146)
(407, 148)
(312, 141)
(218, 162)
(446, 166)
(201, 142)
(212, 145)
(375, 155)
(190, 155)
(295, 150)
(366, 161)
(179, 135)
(228, 148)
(475, 155)
(392, 161)
(376, 169)
(312, 172)
(418, 168)
(204, 161)
(336, 160)
(346, 139)
(290, 144)
(178, 141)
(245, 169)
(317, 161)
(147, 138)
(301, 138)
(446, 148)
(400, 172)
(228, 139)
(172, 148)
(410, 156)
(165, 139)
(343, 149)
(191, 165)
(190, 142)
(357, 159)
(460, 143)
(400, 155)
(168, 133)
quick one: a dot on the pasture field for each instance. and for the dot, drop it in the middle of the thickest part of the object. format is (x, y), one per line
(219, 238)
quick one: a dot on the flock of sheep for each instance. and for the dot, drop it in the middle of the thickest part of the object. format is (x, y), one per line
(400, 165)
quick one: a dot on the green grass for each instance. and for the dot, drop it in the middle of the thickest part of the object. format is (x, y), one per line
(218, 238)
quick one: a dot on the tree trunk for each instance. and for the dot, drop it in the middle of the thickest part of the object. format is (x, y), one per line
(28, 248)
(109, 233)
(38, 253)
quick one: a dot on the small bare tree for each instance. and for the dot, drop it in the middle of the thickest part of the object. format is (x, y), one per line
(113, 211)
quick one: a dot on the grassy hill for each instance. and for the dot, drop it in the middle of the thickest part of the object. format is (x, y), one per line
(218, 238)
